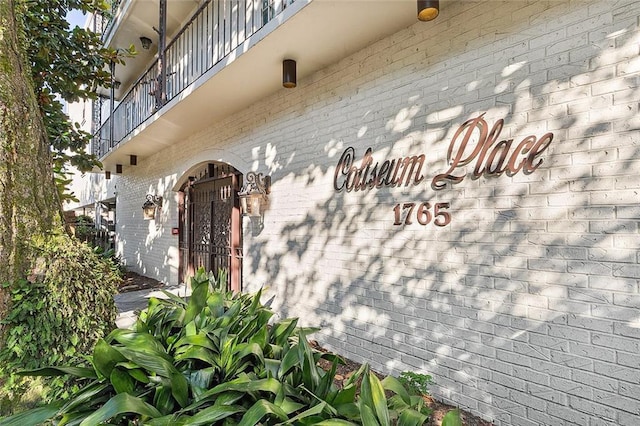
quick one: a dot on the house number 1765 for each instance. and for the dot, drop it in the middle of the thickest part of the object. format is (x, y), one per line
(404, 214)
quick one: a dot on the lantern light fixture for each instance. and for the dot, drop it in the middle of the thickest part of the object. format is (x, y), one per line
(151, 206)
(254, 195)
(428, 9)
(289, 78)
(145, 42)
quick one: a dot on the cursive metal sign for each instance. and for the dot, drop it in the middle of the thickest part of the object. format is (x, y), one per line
(474, 143)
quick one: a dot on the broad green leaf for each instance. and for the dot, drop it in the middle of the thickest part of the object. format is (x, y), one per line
(105, 357)
(259, 410)
(326, 382)
(215, 303)
(142, 342)
(392, 384)
(213, 414)
(349, 410)
(272, 366)
(195, 340)
(175, 298)
(241, 384)
(87, 394)
(35, 416)
(162, 400)
(368, 417)
(372, 394)
(136, 373)
(200, 381)
(198, 299)
(355, 376)
(288, 405)
(197, 352)
(256, 302)
(180, 388)
(313, 411)
(310, 374)
(76, 417)
(452, 418)
(121, 381)
(411, 417)
(335, 422)
(283, 330)
(244, 349)
(228, 398)
(345, 396)
(121, 404)
(85, 373)
(152, 362)
(290, 360)
(168, 420)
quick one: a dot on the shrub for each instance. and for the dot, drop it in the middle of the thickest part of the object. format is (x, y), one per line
(85, 229)
(217, 360)
(57, 315)
(416, 382)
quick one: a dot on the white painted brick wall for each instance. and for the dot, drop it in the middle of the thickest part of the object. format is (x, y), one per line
(525, 309)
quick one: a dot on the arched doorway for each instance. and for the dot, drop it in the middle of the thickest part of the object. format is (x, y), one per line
(210, 231)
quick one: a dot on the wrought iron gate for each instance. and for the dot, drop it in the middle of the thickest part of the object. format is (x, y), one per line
(210, 234)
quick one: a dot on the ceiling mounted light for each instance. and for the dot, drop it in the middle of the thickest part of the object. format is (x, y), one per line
(428, 9)
(146, 42)
(289, 79)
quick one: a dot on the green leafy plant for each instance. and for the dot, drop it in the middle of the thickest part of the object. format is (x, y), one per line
(452, 418)
(416, 382)
(85, 229)
(113, 260)
(57, 315)
(217, 359)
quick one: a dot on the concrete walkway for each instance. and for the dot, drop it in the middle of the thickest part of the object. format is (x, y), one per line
(130, 303)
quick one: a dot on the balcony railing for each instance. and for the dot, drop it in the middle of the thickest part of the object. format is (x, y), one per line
(214, 31)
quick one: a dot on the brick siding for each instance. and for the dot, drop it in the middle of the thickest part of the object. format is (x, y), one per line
(525, 308)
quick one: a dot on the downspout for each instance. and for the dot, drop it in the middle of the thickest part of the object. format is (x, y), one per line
(162, 45)
(112, 105)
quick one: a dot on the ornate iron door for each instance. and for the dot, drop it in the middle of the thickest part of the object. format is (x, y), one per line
(213, 228)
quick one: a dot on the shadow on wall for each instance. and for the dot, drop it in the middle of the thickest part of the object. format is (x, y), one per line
(505, 305)
(143, 242)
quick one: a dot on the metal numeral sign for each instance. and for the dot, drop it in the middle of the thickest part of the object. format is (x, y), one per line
(474, 144)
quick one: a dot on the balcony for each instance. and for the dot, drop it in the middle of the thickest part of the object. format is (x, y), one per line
(227, 55)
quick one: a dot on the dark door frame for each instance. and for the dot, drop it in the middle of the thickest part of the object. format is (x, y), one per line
(187, 265)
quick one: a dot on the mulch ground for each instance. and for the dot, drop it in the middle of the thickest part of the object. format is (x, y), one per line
(135, 282)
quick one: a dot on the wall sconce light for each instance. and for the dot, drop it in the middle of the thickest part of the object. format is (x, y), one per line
(253, 196)
(146, 42)
(428, 9)
(116, 84)
(151, 206)
(289, 79)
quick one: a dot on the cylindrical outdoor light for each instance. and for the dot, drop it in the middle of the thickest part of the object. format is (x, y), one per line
(428, 9)
(289, 73)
